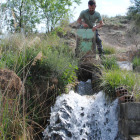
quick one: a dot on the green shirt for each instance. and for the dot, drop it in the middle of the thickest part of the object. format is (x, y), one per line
(90, 20)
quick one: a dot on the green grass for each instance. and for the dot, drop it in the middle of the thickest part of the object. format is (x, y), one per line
(115, 78)
(136, 62)
(37, 63)
(109, 50)
(109, 63)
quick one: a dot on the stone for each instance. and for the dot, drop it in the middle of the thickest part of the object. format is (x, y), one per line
(10, 84)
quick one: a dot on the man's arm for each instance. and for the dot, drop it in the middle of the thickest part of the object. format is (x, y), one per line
(98, 26)
(81, 22)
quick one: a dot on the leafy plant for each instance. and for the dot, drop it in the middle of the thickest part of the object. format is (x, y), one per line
(55, 10)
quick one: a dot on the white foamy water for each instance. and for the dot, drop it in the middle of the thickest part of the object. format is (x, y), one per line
(76, 117)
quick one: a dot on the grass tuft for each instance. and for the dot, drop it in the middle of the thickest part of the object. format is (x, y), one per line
(115, 78)
(109, 50)
(109, 63)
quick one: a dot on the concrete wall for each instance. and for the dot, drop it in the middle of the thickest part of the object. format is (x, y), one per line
(129, 119)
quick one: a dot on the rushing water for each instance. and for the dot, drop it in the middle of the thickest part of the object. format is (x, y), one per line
(79, 117)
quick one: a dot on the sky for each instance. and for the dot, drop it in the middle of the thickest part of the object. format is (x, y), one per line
(106, 7)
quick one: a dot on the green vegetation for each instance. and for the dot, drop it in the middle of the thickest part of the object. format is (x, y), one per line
(115, 78)
(23, 15)
(136, 62)
(134, 12)
(109, 50)
(109, 63)
(12, 124)
(45, 65)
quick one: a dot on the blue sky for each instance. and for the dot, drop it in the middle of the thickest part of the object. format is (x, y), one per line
(106, 7)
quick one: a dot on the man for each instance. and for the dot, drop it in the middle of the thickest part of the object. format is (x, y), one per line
(90, 17)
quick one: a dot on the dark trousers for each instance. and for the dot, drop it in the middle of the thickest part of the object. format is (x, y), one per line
(99, 43)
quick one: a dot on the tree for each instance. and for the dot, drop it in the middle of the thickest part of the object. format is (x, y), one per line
(55, 10)
(134, 11)
(21, 14)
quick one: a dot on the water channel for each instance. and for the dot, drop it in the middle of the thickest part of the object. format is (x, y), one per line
(82, 116)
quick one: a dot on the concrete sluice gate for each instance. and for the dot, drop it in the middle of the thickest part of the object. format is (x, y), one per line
(83, 116)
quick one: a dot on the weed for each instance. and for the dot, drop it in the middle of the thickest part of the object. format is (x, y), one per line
(136, 62)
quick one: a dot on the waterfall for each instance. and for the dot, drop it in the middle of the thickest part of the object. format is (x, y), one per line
(80, 117)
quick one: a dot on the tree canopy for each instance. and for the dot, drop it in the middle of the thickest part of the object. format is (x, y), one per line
(25, 14)
(134, 11)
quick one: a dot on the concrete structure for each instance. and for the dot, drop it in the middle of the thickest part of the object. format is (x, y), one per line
(129, 119)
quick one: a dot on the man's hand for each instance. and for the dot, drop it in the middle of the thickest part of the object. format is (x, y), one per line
(81, 22)
(94, 28)
(85, 25)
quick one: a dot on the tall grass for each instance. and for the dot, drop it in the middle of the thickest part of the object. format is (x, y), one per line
(11, 122)
(46, 66)
(109, 63)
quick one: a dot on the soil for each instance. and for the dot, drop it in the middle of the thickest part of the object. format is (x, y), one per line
(119, 33)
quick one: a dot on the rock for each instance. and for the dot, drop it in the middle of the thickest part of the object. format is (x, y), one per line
(10, 84)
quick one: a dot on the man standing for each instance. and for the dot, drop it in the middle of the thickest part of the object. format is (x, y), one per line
(90, 17)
